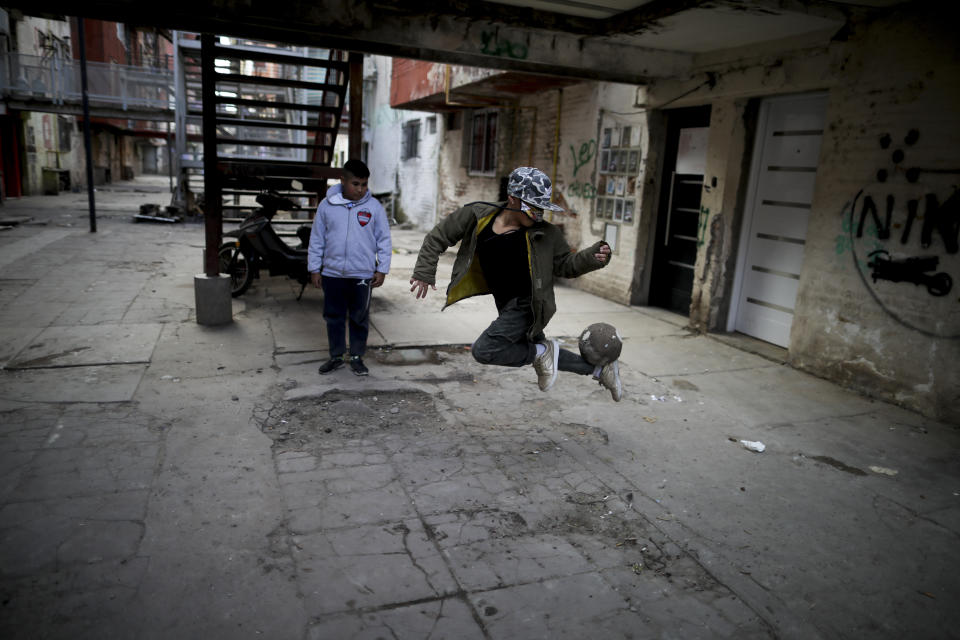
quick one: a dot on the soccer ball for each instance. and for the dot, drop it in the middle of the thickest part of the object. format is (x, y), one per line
(600, 344)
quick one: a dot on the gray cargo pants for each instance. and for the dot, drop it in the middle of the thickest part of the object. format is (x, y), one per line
(505, 341)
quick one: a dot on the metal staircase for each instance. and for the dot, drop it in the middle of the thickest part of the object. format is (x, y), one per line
(278, 111)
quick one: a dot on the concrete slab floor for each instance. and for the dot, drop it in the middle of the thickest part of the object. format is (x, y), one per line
(194, 481)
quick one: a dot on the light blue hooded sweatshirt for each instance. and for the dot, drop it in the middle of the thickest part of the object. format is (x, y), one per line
(349, 238)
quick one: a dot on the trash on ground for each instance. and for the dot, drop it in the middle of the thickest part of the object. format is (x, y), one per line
(884, 471)
(151, 213)
(649, 419)
(753, 445)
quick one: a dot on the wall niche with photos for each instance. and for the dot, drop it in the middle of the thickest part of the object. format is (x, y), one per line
(619, 166)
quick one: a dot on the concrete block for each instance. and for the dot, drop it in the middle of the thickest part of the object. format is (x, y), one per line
(214, 303)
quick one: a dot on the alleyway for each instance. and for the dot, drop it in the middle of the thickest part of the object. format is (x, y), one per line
(162, 479)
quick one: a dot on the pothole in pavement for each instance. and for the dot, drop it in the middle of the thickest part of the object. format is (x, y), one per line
(311, 423)
(416, 355)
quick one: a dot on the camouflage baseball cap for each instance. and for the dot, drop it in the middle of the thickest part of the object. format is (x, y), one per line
(533, 188)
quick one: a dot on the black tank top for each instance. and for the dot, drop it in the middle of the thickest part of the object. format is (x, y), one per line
(503, 258)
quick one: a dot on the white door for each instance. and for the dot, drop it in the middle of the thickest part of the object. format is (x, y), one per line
(778, 202)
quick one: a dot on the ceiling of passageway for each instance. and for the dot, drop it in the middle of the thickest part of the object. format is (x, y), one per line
(631, 41)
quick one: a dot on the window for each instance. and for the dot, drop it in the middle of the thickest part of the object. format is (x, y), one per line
(64, 131)
(432, 125)
(483, 143)
(411, 140)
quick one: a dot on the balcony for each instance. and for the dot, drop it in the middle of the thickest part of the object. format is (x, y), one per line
(38, 83)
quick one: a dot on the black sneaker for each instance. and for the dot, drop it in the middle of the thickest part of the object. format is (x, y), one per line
(333, 363)
(359, 369)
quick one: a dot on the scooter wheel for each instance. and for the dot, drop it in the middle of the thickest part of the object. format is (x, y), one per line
(237, 266)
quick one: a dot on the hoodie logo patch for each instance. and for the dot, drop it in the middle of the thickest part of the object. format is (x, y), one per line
(363, 217)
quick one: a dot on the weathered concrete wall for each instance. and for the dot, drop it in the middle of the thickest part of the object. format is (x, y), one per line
(894, 112)
(892, 137)
(417, 176)
(381, 129)
(43, 135)
(413, 181)
(42, 148)
(720, 212)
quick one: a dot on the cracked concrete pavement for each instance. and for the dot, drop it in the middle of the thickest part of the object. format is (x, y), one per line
(162, 479)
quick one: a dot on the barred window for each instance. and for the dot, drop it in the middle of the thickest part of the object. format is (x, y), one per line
(411, 140)
(483, 143)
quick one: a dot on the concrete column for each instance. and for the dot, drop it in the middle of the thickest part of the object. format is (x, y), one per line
(214, 304)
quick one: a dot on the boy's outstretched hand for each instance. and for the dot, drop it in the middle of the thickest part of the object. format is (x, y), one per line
(603, 254)
(420, 288)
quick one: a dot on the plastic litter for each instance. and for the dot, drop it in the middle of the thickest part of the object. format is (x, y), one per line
(884, 471)
(753, 445)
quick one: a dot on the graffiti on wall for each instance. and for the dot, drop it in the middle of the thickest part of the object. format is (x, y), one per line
(893, 238)
(583, 190)
(494, 45)
(588, 150)
(702, 225)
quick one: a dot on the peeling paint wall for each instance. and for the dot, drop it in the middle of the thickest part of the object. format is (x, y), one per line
(417, 176)
(893, 145)
(878, 304)
(49, 139)
(381, 129)
(412, 181)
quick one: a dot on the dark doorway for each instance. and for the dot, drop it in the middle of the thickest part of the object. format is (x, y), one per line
(678, 216)
(10, 143)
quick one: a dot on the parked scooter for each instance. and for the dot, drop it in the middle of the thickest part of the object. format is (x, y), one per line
(257, 247)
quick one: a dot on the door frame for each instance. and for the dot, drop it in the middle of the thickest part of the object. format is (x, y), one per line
(674, 121)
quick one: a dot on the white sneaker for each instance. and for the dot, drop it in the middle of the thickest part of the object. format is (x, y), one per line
(610, 378)
(545, 364)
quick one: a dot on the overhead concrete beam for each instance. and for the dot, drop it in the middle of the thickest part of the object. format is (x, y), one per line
(384, 29)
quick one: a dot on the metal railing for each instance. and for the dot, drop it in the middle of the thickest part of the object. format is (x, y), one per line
(57, 80)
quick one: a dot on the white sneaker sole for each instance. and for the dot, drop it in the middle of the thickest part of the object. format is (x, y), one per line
(556, 361)
(618, 394)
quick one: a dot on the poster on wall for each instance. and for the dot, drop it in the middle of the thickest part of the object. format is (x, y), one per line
(619, 166)
(692, 150)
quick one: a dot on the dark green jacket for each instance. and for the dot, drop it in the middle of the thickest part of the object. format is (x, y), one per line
(548, 256)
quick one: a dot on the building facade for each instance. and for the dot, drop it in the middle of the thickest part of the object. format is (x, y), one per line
(41, 135)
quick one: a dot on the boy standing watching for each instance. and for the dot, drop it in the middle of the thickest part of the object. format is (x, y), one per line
(349, 256)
